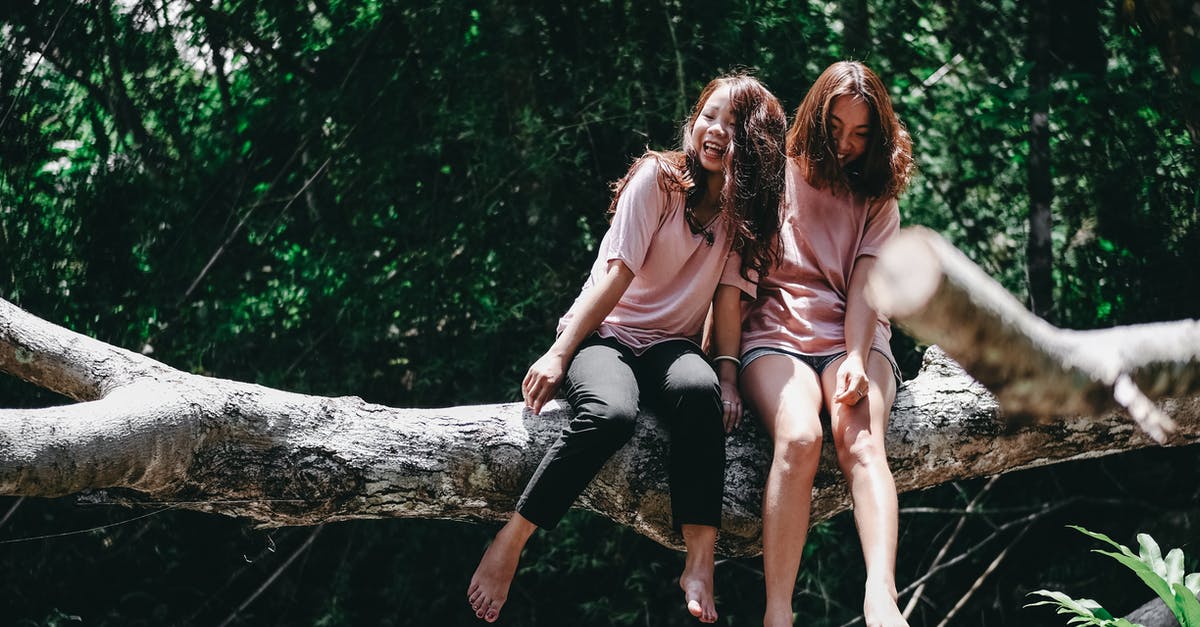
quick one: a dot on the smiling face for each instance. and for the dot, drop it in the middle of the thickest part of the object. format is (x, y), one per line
(712, 130)
(850, 127)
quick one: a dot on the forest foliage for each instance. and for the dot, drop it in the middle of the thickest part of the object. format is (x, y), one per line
(397, 200)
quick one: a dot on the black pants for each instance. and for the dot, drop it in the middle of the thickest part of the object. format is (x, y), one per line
(606, 383)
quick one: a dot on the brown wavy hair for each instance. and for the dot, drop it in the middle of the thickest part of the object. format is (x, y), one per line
(754, 171)
(884, 169)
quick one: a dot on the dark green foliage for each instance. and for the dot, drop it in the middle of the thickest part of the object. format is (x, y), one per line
(397, 200)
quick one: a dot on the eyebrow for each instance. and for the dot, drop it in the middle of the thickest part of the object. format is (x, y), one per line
(866, 126)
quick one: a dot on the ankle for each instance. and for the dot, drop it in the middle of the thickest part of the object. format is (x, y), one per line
(700, 542)
(881, 585)
(515, 533)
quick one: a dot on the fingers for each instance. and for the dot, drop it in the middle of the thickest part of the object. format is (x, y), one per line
(852, 388)
(525, 385)
(537, 390)
(853, 393)
(731, 413)
(731, 406)
(545, 393)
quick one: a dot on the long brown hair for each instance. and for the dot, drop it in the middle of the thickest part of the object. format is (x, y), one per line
(884, 169)
(753, 177)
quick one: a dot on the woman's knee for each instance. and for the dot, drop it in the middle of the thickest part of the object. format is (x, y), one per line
(798, 449)
(860, 448)
(614, 420)
(693, 389)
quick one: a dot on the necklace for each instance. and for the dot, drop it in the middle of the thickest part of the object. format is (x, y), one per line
(697, 228)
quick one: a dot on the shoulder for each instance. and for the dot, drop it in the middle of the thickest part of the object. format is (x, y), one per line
(665, 171)
(886, 206)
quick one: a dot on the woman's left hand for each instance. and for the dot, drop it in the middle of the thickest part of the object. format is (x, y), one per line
(852, 382)
(731, 405)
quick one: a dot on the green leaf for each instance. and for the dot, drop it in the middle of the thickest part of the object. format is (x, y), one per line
(1147, 575)
(1103, 538)
(1086, 611)
(1152, 555)
(1192, 582)
(1187, 606)
(1174, 567)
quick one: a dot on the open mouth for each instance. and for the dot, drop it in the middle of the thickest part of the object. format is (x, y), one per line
(714, 150)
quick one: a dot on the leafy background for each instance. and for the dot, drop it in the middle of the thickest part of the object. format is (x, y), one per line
(396, 200)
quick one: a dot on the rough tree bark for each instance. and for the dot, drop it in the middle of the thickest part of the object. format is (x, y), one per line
(143, 431)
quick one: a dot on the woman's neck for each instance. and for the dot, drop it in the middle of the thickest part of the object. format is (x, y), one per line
(710, 203)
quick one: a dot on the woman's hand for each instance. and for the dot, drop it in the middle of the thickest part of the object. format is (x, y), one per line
(731, 405)
(852, 382)
(542, 380)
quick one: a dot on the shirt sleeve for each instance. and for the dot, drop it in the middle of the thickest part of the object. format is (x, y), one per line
(637, 217)
(883, 221)
(732, 275)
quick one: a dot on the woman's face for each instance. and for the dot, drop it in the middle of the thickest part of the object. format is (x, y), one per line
(712, 130)
(850, 122)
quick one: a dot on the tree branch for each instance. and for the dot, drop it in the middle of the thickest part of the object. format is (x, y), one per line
(151, 433)
(1033, 368)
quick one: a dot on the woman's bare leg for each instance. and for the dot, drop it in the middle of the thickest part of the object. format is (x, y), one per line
(787, 395)
(858, 436)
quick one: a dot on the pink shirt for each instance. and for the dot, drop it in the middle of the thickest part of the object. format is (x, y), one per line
(801, 304)
(675, 271)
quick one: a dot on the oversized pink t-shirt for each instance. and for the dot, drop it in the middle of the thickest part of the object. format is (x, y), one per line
(675, 271)
(801, 304)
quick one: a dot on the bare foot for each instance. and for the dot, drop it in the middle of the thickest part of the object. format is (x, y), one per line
(489, 585)
(879, 607)
(697, 584)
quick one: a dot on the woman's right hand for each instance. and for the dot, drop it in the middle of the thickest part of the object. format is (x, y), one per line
(542, 380)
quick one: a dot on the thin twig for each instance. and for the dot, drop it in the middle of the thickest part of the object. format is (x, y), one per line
(246, 563)
(11, 510)
(41, 55)
(275, 575)
(1046, 510)
(681, 104)
(916, 597)
(987, 571)
(965, 511)
(82, 531)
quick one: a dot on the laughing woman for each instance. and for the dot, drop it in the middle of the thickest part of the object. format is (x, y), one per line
(689, 230)
(812, 342)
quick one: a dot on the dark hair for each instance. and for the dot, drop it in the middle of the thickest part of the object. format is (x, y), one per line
(884, 169)
(754, 178)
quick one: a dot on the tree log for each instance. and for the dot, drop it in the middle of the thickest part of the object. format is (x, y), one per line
(941, 297)
(144, 432)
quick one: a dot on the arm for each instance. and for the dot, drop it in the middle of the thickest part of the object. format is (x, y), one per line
(727, 340)
(860, 332)
(546, 374)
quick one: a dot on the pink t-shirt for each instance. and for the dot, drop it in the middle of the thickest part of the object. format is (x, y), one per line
(675, 271)
(801, 304)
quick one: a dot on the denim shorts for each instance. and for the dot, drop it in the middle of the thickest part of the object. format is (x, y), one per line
(817, 362)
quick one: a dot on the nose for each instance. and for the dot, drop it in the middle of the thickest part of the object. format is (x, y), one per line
(843, 142)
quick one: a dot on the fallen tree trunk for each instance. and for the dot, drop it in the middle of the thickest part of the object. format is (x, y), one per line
(145, 432)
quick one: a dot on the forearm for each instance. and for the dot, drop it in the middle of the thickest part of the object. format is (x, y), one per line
(861, 318)
(727, 330)
(593, 307)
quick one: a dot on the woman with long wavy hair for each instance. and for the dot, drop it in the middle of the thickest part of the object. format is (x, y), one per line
(690, 231)
(812, 344)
